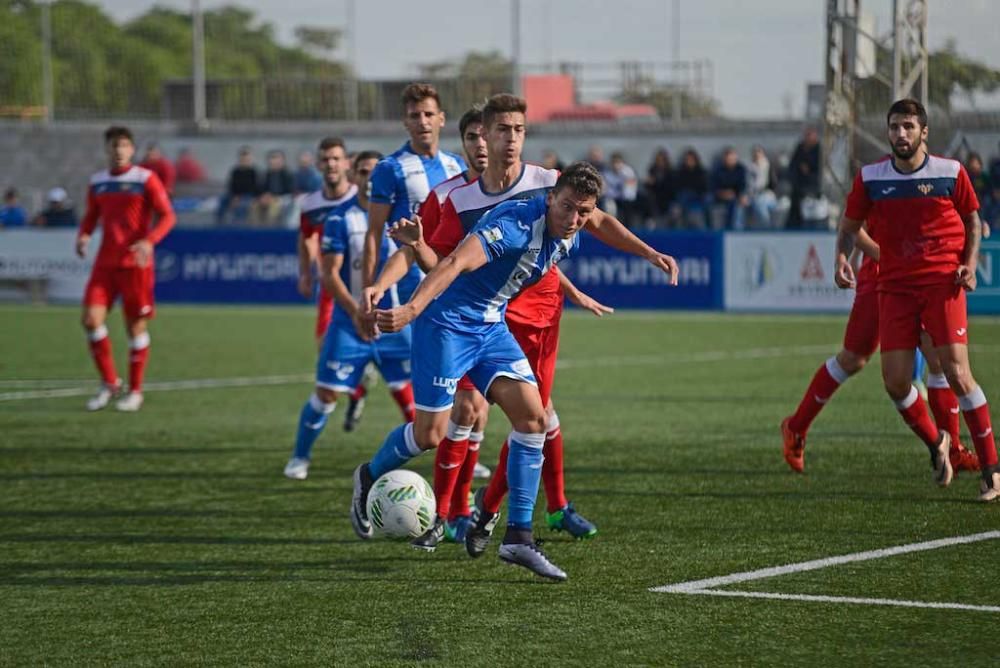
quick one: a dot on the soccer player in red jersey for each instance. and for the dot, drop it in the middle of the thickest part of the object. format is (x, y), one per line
(922, 212)
(123, 198)
(860, 341)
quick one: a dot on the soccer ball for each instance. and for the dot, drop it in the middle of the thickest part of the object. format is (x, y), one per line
(401, 504)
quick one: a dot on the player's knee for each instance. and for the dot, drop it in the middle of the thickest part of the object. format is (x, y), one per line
(850, 362)
(531, 424)
(90, 321)
(326, 395)
(464, 412)
(428, 436)
(897, 388)
(959, 377)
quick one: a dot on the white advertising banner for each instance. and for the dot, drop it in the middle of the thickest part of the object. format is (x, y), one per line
(782, 272)
(43, 263)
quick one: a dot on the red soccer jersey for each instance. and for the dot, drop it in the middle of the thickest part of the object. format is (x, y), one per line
(124, 202)
(539, 305)
(430, 210)
(915, 218)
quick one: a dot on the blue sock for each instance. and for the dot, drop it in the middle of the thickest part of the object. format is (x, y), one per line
(919, 365)
(312, 419)
(398, 448)
(524, 471)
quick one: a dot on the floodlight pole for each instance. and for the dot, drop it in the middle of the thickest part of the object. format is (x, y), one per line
(47, 87)
(352, 61)
(515, 46)
(676, 111)
(198, 64)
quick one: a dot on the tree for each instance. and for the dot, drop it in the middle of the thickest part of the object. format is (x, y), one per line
(662, 96)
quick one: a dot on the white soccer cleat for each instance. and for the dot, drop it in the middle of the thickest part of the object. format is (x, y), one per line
(989, 489)
(103, 396)
(297, 468)
(130, 403)
(941, 462)
(530, 556)
(481, 472)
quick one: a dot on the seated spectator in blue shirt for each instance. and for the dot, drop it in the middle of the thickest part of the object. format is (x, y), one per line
(12, 214)
(307, 177)
(58, 213)
(691, 182)
(729, 189)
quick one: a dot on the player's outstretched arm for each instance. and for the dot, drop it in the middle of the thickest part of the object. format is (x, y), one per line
(410, 233)
(847, 232)
(611, 232)
(469, 256)
(965, 275)
(334, 285)
(378, 214)
(395, 268)
(580, 298)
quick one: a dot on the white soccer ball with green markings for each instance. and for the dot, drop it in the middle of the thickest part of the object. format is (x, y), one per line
(401, 504)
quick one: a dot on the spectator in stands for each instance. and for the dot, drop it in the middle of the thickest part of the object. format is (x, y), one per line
(622, 185)
(276, 188)
(159, 164)
(550, 160)
(729, 191)
(307, 177)
(12, 214)
(58, 212)
(188, 168)
(981, 183)
(804, 176)
(762, 184)
(242, 188)
(595, 156)
(691, 182)
(660, 187)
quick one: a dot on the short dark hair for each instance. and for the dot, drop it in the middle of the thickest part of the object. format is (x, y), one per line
(503, 103)
(908, 107)
(473, 115)
(416, 93)
(327, 143)
(367, 155)
(10, 193)
(116, 132)
(582, 177)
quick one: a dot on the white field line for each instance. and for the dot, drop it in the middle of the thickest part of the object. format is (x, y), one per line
(164, 386)
(708, 586)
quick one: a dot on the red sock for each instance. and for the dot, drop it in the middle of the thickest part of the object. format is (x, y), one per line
(359, 392)
(916, 417)
(944, 406)
(447, 465)
(977, 417)
(552, 469)
(824, 383)
(404, 399)
(497, 489)
(137, 356)
(100, 350)
(460, 497)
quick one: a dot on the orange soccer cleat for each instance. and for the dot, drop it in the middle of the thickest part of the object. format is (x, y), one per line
(962, 459)
(794, 447)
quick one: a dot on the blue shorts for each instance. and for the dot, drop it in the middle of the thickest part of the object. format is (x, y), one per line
(442, 355)
(344, 356)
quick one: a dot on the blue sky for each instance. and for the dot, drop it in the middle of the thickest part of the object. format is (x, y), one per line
(764, 51)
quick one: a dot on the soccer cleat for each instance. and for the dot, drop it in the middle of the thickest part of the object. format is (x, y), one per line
(359, 514)
(352, 416)
(989, 488)
(130, 403)
(297, 468)
(428, 540)
(481, 525)
(940, 461)
(481, 472)
(568, 520)
(530, 556)
(794, 446)
(962, 459)
(455, 530)
(104, 396)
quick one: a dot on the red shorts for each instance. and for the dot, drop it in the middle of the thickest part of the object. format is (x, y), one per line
(861, 334)
(324, 313)
(134, 284)
(938, 309)
(541, 347)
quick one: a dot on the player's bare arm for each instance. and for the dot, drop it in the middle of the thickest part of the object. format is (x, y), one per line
(847, 233)
(334, 285)
(410, 233)
(395, 268)
(965, 275)
(469, 256)
(82, 242)
(610, 231)
(864, 243)
(165, 221)
(308, 251)
(580, 298)
(378, 214)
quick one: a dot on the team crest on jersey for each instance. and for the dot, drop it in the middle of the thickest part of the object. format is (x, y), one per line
(492, 235)
(925, 188)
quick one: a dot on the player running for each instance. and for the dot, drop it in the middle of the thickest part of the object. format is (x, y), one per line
(922, 212)
(348, 347)
(123, 198)
(461, 331)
